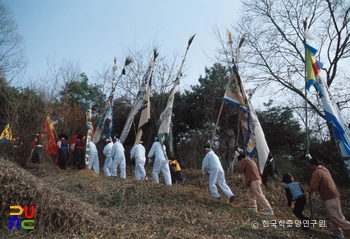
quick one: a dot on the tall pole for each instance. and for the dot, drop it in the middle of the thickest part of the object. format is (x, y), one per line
(165, 117)
(230, 43)
(216, 125)
(306, 117)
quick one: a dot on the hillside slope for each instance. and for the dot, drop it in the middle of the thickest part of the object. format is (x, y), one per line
(81, 204)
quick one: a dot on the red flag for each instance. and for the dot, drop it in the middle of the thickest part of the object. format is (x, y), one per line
(50, 143)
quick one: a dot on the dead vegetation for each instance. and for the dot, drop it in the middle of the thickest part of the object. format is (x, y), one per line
(81, 204)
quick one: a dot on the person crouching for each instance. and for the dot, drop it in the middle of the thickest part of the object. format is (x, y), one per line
(295, 193)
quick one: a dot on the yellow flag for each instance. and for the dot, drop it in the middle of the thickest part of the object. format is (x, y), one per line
(7, 133)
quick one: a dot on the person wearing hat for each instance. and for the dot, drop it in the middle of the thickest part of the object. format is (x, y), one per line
(118, 156)
(211, 163)
(158, 151)
(107, 151)
(295, 193)
(37, 149)
(78, 152)
(63, 151)
(138, 153)
(322, 182)
(253, 182)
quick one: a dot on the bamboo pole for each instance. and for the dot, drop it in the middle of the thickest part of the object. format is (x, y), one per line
(230, 42)
(306, 117)
(216, 125)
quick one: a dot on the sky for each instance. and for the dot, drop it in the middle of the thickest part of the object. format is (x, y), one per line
(93, 32)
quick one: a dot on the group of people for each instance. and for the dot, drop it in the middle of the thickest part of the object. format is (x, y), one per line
(70, 151)
(212, 164)
(321, 181)
(115, 158)
(73, 151)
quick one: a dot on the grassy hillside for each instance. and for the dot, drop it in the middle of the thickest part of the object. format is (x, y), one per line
(81, 204)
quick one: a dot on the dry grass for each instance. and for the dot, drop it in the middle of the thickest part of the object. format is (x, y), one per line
(81, 204)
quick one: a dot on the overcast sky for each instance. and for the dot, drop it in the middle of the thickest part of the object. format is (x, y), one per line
(92, 32)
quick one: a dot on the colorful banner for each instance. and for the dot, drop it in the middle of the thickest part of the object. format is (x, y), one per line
(50, 143)
(254, 136)
(6, 135)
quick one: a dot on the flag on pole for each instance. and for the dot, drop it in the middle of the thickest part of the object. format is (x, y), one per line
(332, 112)
(146, 106)
(50, 143)
(313, 68)
(145, 114)
(108, 114)
(6, 135)
(140, 101)
(164, 121)
(234, 96)
(254, 138)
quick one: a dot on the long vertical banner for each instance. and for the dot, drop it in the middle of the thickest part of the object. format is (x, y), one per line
(108, 115)
(146, 106)
(331, 110)
(141, 98)
(165, 118)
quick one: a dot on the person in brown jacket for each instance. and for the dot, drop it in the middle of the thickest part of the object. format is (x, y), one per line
(322, 182)
(253, 182)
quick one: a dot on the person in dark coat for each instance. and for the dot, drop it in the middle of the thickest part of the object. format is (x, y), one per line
(78, 153)
(37, 149)
(295, 193)
(63, 152)
(16, 147)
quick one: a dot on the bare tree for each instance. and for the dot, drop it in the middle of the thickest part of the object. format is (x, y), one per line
(275, 53)
(164, 73)
(275, 44)
(12, 59)
(56, 77)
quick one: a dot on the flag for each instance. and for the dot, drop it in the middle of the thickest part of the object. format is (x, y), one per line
(107, 117)
(108, 114)
(50, 143)
(254, 138)
(164, 121)
(6, 135)
(234, 96)
(145, 115)
(146, 106)
(140, 101)
(313, 68)
(332, 113)
(165, 117)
